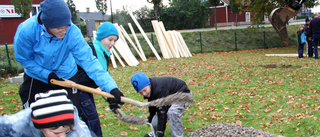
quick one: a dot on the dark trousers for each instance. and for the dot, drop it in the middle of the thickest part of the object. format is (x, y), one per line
(310, 49)
(30, 87)
(88, 111)
(300, 50)
(315, 42)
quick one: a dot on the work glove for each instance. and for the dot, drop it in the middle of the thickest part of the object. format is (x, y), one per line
(53, 75)
(117, 96)
(112, 104)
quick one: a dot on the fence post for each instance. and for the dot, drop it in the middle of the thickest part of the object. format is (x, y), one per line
(152, 39)
(264, 39)
(235, 39)
(8, 58)
(201, 42)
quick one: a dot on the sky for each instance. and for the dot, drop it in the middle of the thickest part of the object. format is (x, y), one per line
(131, 5)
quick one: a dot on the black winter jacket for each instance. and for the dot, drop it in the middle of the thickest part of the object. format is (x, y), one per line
(162, 87)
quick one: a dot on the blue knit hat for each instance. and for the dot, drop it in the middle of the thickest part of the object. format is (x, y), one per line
(106, 29)
(55, 13)
(139, 81)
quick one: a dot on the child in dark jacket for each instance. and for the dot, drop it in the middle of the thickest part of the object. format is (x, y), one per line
(301, 41)
(158, 87)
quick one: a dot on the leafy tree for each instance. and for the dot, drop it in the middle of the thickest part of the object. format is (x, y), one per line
(235, 7)
(72, 8)
(261, 8)
(102, 7)
(156, 6)
(144, 15)
(22, 7)
(215, 3)
(184, 14)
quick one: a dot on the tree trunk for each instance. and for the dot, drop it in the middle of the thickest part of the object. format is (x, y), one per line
(215, 18)
(236, 19)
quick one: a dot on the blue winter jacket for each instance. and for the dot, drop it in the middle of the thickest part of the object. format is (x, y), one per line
(20, 125)
(41, 53)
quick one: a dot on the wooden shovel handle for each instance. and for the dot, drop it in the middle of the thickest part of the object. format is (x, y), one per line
(70, 84)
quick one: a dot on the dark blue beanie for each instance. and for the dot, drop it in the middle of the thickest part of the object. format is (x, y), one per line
(55, 13)
(139, 81)
(106, 29)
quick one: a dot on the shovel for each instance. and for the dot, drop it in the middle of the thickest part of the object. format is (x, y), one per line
(177, 98)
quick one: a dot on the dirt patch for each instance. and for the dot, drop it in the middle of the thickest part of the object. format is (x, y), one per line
(279, 66)
(229, 130)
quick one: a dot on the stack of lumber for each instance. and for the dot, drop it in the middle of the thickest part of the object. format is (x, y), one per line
(172, 44)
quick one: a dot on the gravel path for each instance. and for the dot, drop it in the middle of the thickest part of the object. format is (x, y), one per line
(229, 130)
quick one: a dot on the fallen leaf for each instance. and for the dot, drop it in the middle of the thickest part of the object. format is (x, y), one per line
(124, 134)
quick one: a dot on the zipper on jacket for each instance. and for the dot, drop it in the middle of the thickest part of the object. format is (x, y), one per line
(50, 40)
(53, 59)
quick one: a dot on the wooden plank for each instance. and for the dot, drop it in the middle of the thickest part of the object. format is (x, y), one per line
(184, 44)
(118, 57)
(120, 46)
(113, 61)
(172, 49)
(130, 41)
(160, 39)
(181, 50)
(145, 36)
(284, 55)
(125, 48)
(137, 41)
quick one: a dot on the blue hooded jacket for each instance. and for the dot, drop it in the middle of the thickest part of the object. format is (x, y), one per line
(40, 54)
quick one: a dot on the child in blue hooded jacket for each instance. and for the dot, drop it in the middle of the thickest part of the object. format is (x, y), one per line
(158, 87)
(301, 39)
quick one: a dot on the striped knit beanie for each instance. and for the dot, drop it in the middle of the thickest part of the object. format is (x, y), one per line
(52, 109)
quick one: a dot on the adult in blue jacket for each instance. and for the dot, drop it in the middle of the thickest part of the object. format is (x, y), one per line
(50, 46)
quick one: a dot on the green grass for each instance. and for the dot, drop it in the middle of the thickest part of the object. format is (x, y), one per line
(227, 87)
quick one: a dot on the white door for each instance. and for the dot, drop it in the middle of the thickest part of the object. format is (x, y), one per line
(247, 16)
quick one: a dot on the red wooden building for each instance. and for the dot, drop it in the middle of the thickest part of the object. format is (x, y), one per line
(226, 17)
(9, 19)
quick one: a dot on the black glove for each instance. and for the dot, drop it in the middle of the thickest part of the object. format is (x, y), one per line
(146, 135)
(53, 75)
(117, 96)
(112, 105)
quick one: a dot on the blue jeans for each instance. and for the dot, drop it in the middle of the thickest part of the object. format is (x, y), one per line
(88, 111)
(300, 50)
(89, 114)
(315, 42)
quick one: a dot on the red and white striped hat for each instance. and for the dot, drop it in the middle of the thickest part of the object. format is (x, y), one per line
(52, 109)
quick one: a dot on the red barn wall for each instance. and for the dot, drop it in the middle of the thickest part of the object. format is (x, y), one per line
(8, 26)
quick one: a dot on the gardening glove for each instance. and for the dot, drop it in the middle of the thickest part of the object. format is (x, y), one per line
(112, 105)
(117, 96)
(53, 75)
